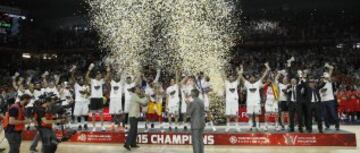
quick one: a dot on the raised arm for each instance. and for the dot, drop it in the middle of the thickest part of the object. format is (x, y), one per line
(157, 77)
(14, 83)
(240, 72)
(72, 75)
(331, 69)
(108, 74)
(266, 72)
(44, 79)
(87, 75)
(277, 77)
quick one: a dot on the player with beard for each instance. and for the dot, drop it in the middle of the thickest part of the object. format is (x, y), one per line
(82, 93)
(173, 101)
(96, 96)
(232, 100)
(204, 86)
(253, 106)
(116, 82)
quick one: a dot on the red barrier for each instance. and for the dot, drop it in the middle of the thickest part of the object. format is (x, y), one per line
(252, 139)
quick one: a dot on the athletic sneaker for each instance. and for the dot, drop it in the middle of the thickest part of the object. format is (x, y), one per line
(103, 129)
(266, 129)
(94, 129)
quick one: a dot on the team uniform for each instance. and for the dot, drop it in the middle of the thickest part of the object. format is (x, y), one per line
(155, 103)
(271, 105)
(185, 95)
(231, 98)
(253, 99)
(81, 100)
(127, 96)
(96, 96)
(115, 105)
(173, 100)
(283, 101)
(204, 86)
(52, 90)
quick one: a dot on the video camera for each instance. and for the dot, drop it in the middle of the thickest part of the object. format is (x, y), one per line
(55, 104)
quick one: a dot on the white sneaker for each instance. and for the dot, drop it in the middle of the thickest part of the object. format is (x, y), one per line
(238, 129)
(266, 129)
(103, 129)
(94, 129)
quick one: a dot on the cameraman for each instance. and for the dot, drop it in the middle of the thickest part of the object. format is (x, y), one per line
(14, 123)
(45, 120)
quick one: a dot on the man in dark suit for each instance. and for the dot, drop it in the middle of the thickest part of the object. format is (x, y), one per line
(313, 101)
(196, 111)
(296, 104)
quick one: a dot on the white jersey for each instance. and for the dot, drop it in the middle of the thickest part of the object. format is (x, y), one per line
(53, 90)
(151, 93)
(185, 95)
(127, 93)
(253, 92)
(79, 92)
(97, 88)
(37, 93)
(327, 92)
(66, 96)
(231, 91)
(31, 103)
(282, 95)
(116, 89)
(205, 86)
(270, 97)
(173, 93)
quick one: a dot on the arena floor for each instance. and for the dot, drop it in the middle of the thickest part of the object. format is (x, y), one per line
(117, 148)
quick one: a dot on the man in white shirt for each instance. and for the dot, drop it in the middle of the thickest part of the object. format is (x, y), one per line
(232, 101)
(173, 101)
(253, 99)
(96, 96)
(204, 86)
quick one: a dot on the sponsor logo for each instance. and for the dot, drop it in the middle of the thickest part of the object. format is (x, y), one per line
(233, 140)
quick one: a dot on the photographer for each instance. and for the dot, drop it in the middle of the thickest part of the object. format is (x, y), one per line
(45, 120)
(14, 123)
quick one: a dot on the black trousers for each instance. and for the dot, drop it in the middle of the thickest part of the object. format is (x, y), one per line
(330, 113)
(314, 111)
(14, 140)
(48, 139)
(296, 108)
(132, 134)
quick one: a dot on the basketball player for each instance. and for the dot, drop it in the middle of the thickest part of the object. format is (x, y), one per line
(129, 84)
(253, 106)
(96, 96)
(187, 84)
(154, 90)
(116, 91)
(173, 101)
(271, 91)
(232, 100)
(82, 93)
(204, 86)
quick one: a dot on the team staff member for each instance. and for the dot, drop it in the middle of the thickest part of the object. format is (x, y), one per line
(196, 111)
(14, 123)
(45, 120)
(138, 99)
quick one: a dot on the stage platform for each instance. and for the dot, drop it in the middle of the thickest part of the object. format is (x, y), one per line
(219, 137)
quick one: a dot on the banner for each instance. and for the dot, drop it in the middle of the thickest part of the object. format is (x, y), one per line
(236, 139)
